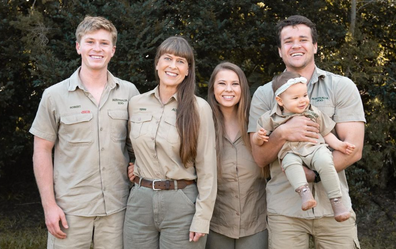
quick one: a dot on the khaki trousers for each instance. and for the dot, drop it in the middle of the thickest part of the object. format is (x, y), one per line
(104, 232)
(289, 232)
(160, 219)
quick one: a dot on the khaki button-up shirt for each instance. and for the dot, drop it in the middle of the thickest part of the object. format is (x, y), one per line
(337, 97)
(90, 152)
(156, 145)
(240, 208)
(272, 119)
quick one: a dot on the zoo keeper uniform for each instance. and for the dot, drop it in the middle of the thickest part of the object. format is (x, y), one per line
(90, 152)
(293, 155)
(240, 209)
(172, 213)
(337, 97)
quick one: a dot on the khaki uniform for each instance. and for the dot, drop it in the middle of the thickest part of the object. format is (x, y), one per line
(90, 152)
(240, 208)
(272, 119)
(335, 96)
(314, 155)
(156, 145)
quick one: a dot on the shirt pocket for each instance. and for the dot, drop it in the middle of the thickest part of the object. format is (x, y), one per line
(171, 130)
(140, 124)
(77, 128)
(325, 107)
(119, 123)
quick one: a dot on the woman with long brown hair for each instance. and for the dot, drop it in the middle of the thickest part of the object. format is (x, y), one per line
(239, 217)
(173, 139)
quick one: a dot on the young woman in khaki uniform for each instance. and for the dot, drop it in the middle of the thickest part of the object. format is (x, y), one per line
(173, 138)
(239, 217)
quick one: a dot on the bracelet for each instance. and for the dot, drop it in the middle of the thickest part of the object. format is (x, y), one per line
(317, 176)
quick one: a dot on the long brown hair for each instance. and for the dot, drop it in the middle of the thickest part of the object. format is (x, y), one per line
(187, 118)
(243, 107)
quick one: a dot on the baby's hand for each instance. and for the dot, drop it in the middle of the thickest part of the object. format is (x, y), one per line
(262, 134)
(348, 148)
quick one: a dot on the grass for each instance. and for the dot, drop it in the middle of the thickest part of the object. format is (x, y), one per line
(22, 226)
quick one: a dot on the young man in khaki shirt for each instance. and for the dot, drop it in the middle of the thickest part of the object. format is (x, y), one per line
(334, 95)
(84, 187)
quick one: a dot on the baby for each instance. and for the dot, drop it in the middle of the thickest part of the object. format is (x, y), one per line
(292, 99)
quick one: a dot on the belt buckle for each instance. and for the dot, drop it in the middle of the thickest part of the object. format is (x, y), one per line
(154, 181)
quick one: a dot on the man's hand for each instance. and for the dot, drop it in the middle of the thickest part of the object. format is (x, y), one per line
(300, 129)
(53, 217)
(195, 236)
(309, 174)
(297, 129)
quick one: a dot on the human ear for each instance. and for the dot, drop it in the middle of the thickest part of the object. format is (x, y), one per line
(78, 48)
(279, 101)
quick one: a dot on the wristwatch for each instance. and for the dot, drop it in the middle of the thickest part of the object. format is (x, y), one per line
(317, 176)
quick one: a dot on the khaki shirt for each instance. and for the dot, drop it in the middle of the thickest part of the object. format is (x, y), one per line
(156, 145)
(337, 97)
(240, 208)
(272, 119)
(90, 152)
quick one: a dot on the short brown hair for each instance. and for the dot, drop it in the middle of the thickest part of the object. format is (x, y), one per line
(293, 21)
(94, 23)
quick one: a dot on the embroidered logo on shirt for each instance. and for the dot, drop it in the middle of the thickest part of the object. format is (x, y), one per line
(319, 99)
(75, 106)
(120, 101)
(142, 109)
(86, 111)
(174, 109)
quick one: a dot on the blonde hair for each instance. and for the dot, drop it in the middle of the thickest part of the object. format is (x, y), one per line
(187, 118)
(94, 23)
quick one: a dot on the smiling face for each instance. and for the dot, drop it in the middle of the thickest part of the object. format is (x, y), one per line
(294, 99)
(227, 89)
(171, 69)
(96, 49)
(297, 49)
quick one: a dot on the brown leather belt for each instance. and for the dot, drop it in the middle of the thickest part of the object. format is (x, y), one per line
(163, 184)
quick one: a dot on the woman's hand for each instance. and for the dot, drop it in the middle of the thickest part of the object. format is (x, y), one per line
(131, 174)
(195, 236)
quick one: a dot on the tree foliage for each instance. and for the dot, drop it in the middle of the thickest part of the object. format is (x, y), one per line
(38, 50)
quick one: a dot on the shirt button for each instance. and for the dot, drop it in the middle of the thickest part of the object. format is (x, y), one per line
(236, 196)
(237, 213)
(101, 128)
(103, 168)
(152, 138)
(102, 149)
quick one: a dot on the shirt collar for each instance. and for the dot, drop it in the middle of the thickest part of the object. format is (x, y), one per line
(155, 92)
(317, 73)
(75, 81)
